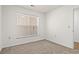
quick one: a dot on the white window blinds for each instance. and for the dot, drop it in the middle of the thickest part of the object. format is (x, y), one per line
(26, 25)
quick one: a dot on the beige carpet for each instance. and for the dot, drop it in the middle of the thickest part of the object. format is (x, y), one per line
(39, 47)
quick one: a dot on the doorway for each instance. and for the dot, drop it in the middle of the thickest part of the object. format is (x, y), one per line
(76, 28)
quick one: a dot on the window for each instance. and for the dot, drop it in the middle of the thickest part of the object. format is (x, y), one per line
(26, 25)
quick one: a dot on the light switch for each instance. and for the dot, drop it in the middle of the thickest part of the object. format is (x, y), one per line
(69, 26)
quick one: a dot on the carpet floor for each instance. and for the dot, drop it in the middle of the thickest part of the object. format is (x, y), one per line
(39, 47)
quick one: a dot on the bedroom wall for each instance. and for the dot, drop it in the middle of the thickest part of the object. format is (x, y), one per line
(9, 25)
(60, 26)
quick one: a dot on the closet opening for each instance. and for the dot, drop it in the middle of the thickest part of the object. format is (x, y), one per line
(76, 28)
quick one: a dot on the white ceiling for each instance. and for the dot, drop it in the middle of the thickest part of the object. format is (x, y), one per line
(41, 8)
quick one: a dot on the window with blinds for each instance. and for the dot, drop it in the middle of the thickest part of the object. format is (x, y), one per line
(26, 25)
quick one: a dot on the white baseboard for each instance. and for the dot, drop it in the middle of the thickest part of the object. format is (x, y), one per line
(71, 47)
(23, 41)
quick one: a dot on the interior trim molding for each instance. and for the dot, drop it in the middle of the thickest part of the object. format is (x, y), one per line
(0, 49)
(76, 45)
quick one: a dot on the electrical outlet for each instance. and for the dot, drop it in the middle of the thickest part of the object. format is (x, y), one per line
(9, 37)
(55, 35)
